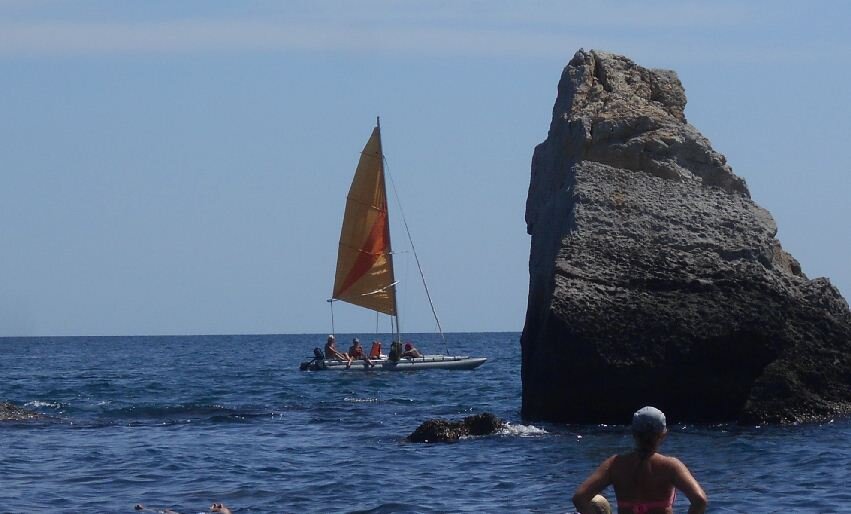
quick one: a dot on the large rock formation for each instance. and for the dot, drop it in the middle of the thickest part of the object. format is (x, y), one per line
(654, 279)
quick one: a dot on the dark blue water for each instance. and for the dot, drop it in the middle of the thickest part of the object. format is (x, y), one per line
(181, 422)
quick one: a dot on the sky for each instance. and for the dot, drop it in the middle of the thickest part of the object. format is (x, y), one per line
(182, 167)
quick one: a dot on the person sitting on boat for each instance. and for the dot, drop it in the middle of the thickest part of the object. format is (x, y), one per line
(332, 353)
(356, 352)
(411, 352)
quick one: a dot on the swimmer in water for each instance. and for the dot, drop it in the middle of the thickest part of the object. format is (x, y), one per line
(645, 481)
(216, 507)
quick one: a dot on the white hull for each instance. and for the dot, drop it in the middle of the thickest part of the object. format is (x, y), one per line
(404, 364)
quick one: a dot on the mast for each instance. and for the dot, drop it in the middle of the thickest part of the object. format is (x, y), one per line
(398, 330)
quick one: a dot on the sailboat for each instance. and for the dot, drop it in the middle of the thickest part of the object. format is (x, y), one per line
(365, 275)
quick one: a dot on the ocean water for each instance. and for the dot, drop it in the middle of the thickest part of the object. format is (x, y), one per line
(181, 422)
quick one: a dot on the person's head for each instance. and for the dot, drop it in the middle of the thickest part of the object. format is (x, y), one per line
(330, 339)
(408, 346)
(355, 342)
(648, 428)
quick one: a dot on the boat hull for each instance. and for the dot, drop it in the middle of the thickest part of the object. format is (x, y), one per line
(404, 364)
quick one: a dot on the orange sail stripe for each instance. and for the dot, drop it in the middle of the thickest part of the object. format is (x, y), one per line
(376, 244)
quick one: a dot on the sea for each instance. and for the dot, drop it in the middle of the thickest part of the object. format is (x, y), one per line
(181, 422)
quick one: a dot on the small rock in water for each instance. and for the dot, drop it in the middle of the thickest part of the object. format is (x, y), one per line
(11, 412)
(444, 431)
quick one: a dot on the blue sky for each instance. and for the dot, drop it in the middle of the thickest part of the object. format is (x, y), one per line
(181, 167)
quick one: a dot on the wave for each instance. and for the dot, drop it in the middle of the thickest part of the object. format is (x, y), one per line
(38, 404)
(397, 508)
(171, 413)
(521, 430)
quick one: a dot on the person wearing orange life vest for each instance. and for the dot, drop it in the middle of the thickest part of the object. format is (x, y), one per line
(356, 352)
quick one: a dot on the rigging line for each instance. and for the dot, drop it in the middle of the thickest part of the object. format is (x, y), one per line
(331, 303)
(414, 250)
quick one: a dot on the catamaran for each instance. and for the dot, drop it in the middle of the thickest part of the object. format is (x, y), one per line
(365, 275)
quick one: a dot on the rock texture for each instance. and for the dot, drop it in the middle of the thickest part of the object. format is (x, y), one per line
(655, 280)
(11, 412)
(443, 431)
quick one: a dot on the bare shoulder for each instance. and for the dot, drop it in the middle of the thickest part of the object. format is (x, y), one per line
(619, 463)
(671, 463)
(607, 466)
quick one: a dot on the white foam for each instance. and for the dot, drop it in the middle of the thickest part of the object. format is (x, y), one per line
(522, 430)
(38, 403)
(360, 400)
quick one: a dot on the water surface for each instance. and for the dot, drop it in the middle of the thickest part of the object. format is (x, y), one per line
(181, 422)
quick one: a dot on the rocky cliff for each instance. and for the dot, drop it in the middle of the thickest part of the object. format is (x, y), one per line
(654, 279)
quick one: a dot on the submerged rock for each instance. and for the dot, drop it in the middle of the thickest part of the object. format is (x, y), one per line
(443, 431)
(11, 412)
(655, 279)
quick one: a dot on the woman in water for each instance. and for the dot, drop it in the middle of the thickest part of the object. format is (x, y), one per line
(645, 482)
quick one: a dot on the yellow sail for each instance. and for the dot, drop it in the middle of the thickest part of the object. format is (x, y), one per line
(364, 262)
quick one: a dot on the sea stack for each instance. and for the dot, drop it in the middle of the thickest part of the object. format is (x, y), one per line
(656, 280)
